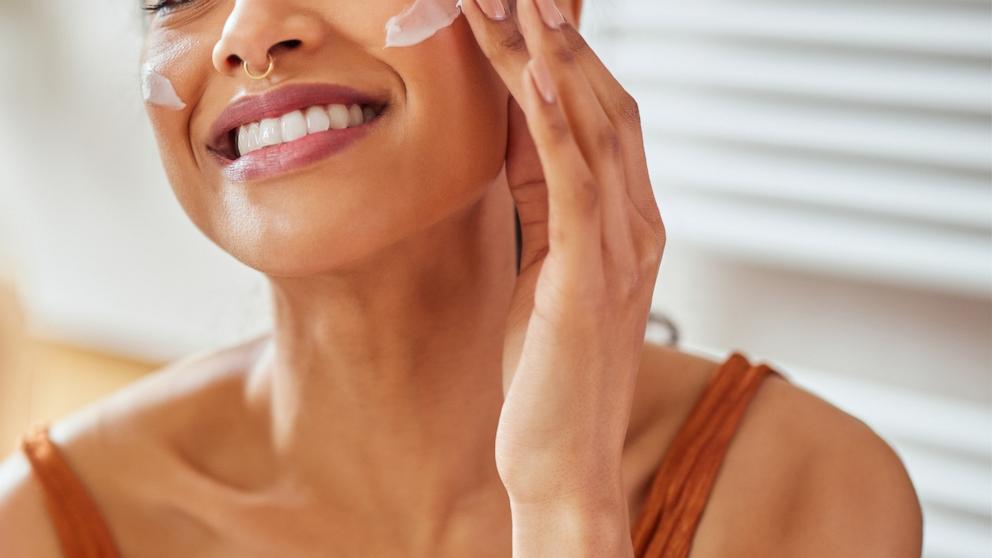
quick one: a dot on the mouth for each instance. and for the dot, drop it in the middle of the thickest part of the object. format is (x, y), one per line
(290, 127)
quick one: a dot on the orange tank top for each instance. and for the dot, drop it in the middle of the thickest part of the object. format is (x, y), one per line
(665, 528)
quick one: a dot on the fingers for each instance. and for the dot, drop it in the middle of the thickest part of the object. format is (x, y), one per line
(509, 43)
(500, 39)
(574, 222)
(543, 26)
(624, 114)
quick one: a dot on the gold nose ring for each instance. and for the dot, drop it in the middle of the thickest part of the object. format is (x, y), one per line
(268, 71)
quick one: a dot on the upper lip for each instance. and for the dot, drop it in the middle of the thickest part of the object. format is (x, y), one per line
(275, 103)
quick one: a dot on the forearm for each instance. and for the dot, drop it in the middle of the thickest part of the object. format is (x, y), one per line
(572, 530)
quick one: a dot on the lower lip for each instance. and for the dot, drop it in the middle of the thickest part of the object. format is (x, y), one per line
(280, 159)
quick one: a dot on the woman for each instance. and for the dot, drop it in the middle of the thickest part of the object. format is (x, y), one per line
(427, 391)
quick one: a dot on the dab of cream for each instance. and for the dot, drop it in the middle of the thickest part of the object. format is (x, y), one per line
(158, 90)
(420, 21)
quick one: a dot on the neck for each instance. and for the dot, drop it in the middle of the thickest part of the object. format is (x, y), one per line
(390, 375)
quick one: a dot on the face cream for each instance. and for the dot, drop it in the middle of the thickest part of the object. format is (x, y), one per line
(158, 90)
(420, 21)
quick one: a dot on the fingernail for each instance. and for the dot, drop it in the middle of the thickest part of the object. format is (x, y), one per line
(550, 13)
(541, 75)
(493, 8)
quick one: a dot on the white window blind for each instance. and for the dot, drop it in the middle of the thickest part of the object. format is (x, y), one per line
(846, 138)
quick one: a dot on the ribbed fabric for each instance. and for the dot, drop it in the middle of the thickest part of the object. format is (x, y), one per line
(682, 485)
(81, 529)
(665, 529)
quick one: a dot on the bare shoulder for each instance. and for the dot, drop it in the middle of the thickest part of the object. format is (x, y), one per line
(114, 445)
(836, 487)
(801, 477)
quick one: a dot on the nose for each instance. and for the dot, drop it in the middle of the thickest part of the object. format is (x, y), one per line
(256, 29)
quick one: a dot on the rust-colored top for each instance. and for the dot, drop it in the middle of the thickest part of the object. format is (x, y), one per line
(665, 528)
(682, 484)
(80, 526)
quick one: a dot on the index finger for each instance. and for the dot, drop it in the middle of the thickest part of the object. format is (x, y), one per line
(500, 39)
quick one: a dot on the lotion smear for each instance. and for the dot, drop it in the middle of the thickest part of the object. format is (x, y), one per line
(158, 90)
(420, 21)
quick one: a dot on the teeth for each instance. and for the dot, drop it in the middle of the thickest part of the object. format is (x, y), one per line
(248, 138)
(243, 146)
(339, 116)
(357, 118)
(297, 124)
(294, 126)
(271, 132)
(317, 120)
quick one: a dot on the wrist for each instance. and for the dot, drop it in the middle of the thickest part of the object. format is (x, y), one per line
(589, 525)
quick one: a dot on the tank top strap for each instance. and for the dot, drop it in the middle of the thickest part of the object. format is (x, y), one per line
(81, 528)
(682, 484)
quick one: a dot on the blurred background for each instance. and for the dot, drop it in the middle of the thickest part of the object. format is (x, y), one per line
(823, 167)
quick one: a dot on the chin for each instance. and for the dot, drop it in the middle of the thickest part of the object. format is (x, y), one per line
(300, 249)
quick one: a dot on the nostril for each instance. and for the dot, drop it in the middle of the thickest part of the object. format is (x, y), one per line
(235, 60)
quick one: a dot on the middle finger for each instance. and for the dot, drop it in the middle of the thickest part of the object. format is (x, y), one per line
(508, 42)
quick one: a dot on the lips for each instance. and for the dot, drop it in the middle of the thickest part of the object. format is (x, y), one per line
(278, 156)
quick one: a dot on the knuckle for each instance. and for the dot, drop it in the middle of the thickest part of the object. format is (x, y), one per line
(564, 54)
(608, 140)
(586, 195)
(574, 40)
(559, 131)
(512, 42)
(627, 109)
(650, 260)
(633, 283)
(651, 248)
(660, 240)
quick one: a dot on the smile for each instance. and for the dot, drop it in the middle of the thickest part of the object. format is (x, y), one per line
(289, 128)
(297, 124)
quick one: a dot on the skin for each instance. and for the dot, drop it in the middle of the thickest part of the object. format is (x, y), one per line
(416, 396)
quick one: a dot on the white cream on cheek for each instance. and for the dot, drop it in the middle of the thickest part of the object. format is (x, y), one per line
(158, 90)
(165, 56)
(420, 21)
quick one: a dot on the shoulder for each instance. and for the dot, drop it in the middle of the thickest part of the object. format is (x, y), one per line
(845, 491)
(112, 444)
(801, 477)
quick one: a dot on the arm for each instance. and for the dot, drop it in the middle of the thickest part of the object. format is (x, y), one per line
(593, 239)
(573, 529)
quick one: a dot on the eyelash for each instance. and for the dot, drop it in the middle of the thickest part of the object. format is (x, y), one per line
(164, 5)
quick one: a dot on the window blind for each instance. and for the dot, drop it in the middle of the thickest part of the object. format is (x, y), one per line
(844, 137)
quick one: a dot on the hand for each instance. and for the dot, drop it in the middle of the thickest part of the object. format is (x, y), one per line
(593, 239)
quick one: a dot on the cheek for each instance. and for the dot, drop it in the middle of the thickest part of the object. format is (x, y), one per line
(456, 105)
(168, 65)
(173, 69)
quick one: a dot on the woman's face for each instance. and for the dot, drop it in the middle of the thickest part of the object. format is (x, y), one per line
(315, 203)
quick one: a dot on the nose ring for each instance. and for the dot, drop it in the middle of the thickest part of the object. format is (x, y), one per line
(268, 71)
